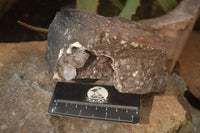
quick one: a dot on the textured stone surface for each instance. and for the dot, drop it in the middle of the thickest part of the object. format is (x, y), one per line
(175, 27)
(26, 88)
(24, 75)
(190, 71)
(190, 64)
(134, 54)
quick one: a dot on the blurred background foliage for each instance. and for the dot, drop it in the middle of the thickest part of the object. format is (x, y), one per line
(40, 13)
(128, 8)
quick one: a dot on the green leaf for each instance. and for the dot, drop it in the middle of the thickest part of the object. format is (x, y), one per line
(87, 5)
(167, 5)
(129, 8)
(33, 27)
(117, 3)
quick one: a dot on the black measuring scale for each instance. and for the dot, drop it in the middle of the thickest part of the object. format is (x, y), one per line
(91, 101)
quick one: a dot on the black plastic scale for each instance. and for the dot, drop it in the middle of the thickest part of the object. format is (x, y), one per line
(91, 101)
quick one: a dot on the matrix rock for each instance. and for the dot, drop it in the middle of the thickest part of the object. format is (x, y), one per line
(125, 53)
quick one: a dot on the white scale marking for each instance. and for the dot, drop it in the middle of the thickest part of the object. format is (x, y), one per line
(100, 117)
(132, 117)
(106, 115)
(99, 105)
(96, 107)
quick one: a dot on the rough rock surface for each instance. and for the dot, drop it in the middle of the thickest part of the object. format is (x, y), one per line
(135, 54)
(190, 64)
(175, 28)
(26, 88)
(190, 71)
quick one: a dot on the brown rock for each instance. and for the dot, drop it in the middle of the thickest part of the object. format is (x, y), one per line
(134, 54)
(175, 27)
(25, 96)
(190, 65)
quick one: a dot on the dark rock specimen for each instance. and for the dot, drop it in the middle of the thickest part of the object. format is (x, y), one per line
(129, 55)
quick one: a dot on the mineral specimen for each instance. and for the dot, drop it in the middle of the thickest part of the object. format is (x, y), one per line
(125, 53)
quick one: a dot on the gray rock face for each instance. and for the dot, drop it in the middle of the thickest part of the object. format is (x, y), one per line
(129, 55)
